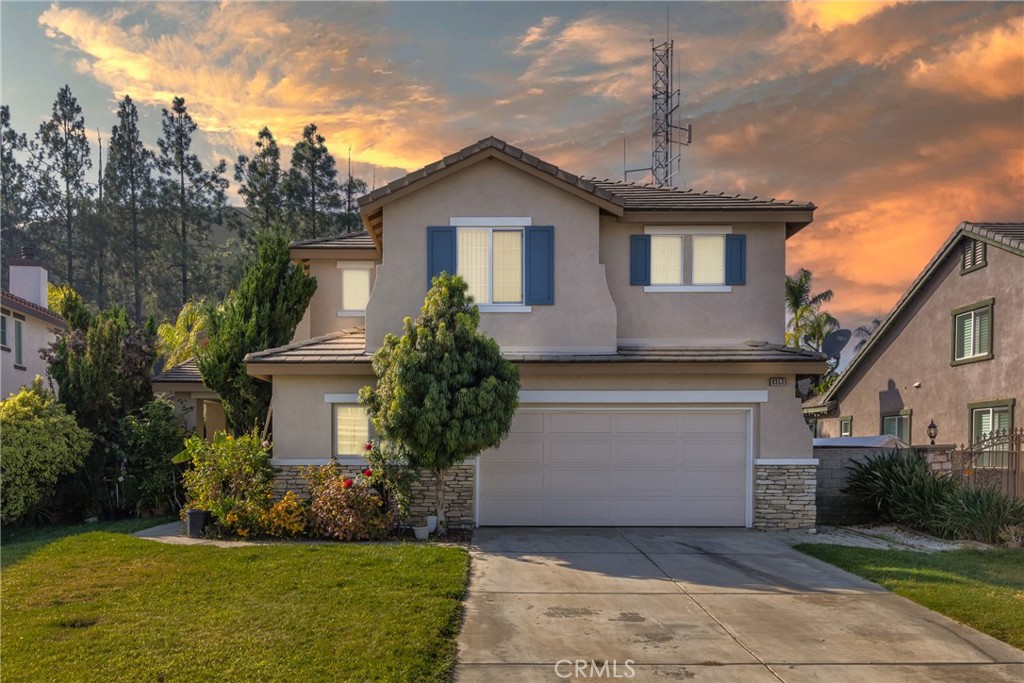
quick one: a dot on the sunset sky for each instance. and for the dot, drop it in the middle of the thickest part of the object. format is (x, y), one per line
(899, 120)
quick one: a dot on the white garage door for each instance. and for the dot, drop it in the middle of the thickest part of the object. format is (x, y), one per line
(618, 466)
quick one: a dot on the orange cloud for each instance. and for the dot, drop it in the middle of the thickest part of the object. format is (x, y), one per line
(989, 63)
(829, 16)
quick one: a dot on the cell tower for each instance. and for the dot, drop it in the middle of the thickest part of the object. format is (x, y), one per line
(668, 136)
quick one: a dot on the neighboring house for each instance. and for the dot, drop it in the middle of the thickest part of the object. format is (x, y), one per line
(203, 410)
(951, 351)
(647, 324)
(26, 324)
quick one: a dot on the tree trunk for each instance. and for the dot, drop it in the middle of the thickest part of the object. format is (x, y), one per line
(136, 265)
(69, 227)
(184, 238)
(442, 529)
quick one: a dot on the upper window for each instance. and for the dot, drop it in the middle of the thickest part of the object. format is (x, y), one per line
(18, 360)
(355, 289)
(351, 429)
(972, 333)
(706, 259)
(897, 425)
(490, 260)
(973, 255)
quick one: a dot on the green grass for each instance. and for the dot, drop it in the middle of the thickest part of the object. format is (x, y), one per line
(17, 543)
(106, 607)
(981, 588)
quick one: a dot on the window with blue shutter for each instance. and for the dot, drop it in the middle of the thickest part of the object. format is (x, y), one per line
(440, 252)
(539, 265)
(735, 259)
(639, 259)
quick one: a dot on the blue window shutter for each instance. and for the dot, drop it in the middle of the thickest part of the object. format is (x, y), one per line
(440, 252)
(639, 259)
(735, 259)
(539, 265)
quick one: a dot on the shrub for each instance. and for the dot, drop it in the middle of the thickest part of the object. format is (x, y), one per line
(980, 514)
(903, 489)
(345, 508)
(232, 479)
(148, 440)
(391, 475)
(287, 518)
(41, 442)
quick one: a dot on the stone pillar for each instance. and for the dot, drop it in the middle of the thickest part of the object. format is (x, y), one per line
(938, 456)
(784, 495)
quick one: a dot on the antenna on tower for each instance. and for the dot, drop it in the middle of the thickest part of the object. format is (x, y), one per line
(667, 135)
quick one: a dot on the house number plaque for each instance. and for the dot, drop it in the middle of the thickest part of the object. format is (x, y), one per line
(776, 381)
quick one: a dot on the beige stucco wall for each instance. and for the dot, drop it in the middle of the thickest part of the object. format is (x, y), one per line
(322, 314)
(751, 311)
(35, 335)
(302, 419)
(918, 349)
(583, 316)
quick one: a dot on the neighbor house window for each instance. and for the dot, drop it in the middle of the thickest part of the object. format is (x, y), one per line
(351, 429)
(3, 331)
(490, 260)
(973, 255)
(846, 426)
(355, 286)
(897, 425)
(972, 333)
(17, 343)
(990, 420)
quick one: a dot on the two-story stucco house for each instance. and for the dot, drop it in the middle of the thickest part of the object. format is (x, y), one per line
(950, 352)
(26, 324)
(647, 325)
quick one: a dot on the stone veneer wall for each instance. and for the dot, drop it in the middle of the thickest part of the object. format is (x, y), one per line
(834, 506)
(458, 491)
(784, 497)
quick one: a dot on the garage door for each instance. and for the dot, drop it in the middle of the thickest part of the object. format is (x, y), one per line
(618, 466)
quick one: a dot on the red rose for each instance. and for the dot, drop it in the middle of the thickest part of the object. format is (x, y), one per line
(346, 484)
(367, 473)
(368, 446)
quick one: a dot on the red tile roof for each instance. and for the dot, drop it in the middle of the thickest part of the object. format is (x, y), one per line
(25, 306)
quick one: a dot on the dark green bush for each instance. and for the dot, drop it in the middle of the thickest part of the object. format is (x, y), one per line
(147, 440)
(979, 514)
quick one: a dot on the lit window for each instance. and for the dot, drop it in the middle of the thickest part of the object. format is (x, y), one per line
(973, 334)
(491, 263)
(666, 260)
(708, 259)
(355, 289)
(351, 429)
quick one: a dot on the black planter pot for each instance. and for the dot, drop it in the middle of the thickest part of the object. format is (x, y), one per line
(196, 521)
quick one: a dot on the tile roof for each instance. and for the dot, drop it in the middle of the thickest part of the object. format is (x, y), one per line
(1009, 236)
(28, 308)
(349, 240)
(187, 372)
(630, 196)
(349, 346)
(648, 197)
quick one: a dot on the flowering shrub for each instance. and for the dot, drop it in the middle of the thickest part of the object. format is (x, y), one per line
(287, 518)
(391, 475)
(345, 508)
(232, 479)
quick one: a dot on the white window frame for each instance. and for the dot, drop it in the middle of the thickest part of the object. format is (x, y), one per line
(368, 267)
(991, 458)
(902, 426)
(683, 233)
(974, 353)
(500, 224)
(845, 424)
(335, 451)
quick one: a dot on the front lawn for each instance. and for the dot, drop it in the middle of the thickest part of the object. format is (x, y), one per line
(106, 607)
(17, 543)
(981, 588)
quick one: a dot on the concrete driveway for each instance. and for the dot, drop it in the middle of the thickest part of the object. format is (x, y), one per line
(704, 605)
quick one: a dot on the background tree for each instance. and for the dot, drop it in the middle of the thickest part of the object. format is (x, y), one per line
(444, 392)
(259, 178)
(179, 341)
(261, 313)
(311, 187)
(16, 194)
(62, 158)
(864, 332)
(801, 305)
(191, 194)
(129, 188)
(351, 190)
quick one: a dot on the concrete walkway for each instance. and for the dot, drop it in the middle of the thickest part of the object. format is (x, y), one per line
(173, 533)
(710, 605)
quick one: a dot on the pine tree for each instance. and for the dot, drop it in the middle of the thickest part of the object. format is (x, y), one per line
(311, 187)
(261, 313)
(259, 178)
(17, 200)
(191, 194)
(129, 189)
(62, 158)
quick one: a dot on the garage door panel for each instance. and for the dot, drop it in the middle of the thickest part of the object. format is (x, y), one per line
(618, 466)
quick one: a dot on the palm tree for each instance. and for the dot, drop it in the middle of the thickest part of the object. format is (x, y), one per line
(817, 326)
(865, 332)
(802, 305)
(177, 342)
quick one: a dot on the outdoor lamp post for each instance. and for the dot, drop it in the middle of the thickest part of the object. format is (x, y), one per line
(933, 431)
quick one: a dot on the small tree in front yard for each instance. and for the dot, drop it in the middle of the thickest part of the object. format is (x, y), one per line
(444, 392)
